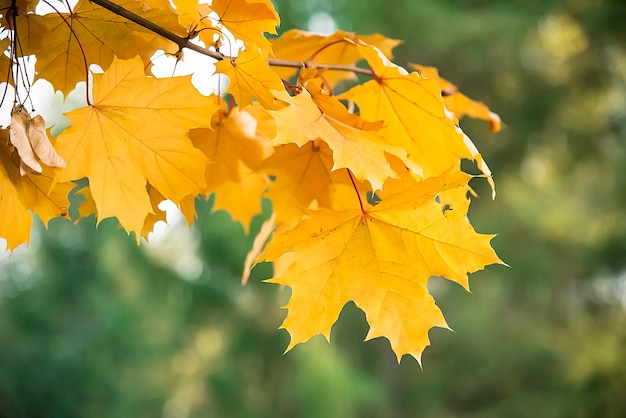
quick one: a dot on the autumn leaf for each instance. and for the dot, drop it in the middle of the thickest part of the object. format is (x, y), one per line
(248, 20)
(236, 148)
(111, 144)
(258, 245)
(414, 113)
(302, 174)
(91, 34)
(242, 199)
(380, 258)
(5, 62)
(457, 102)
(21, 194)
(250, 76)
(338, 49)
(360, 150)
(194, 18)
(31, 29)
(156, 215)
(88, 206)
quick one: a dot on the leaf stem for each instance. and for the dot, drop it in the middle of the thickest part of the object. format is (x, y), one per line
(356, 190)
(186, 42)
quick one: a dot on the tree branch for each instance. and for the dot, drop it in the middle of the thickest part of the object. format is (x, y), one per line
(186, 42)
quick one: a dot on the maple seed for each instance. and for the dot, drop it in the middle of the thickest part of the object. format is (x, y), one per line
(28, 136)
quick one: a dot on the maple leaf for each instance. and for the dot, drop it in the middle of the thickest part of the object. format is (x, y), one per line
(414, 113)
(303, 179)
(5, 62)
(156, 215)
(23, 193)
(194, 18)
(457, 102)
(302, 174)
(250, 76)
(111, 144)
(236, 147)
(360, 150)
(91, 34)
(380, 258)
(242, 199)
(258, 246)
(248, 20)
(338, 48)
(88, 206)
(30, 27)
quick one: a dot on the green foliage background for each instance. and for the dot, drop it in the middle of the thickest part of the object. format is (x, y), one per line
(93, 326)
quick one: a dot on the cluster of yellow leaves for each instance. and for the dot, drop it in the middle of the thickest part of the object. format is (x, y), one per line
(368, 196)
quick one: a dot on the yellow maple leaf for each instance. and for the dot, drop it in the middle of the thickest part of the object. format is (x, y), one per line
(23, 193)
(250, 76)
(414, 114)
(232, 138)
(88, 206)
(242, 199)
(302, 174)
(360, 150)
(248, 20)
(156, 215)
(235, 147)
(193, 16)
(338, 48)
(303, 179)
(120, 144)
(5, 62)
(30, 28)
(187, 207)
(91, 34)
(457, 102)
(380, 258)
(258, 245)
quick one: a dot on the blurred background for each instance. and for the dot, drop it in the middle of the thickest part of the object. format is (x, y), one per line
(93, 326)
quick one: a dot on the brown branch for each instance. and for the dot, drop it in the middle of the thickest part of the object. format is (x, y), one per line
(159, 30)
(186, 42)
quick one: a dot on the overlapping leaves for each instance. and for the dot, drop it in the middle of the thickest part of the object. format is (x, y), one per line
(368, 204)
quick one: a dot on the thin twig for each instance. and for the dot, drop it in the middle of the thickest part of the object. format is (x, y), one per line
(186, 42)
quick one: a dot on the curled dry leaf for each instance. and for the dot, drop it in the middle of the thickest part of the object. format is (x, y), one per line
(20, 122)
(29, 137)
(41, 144)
